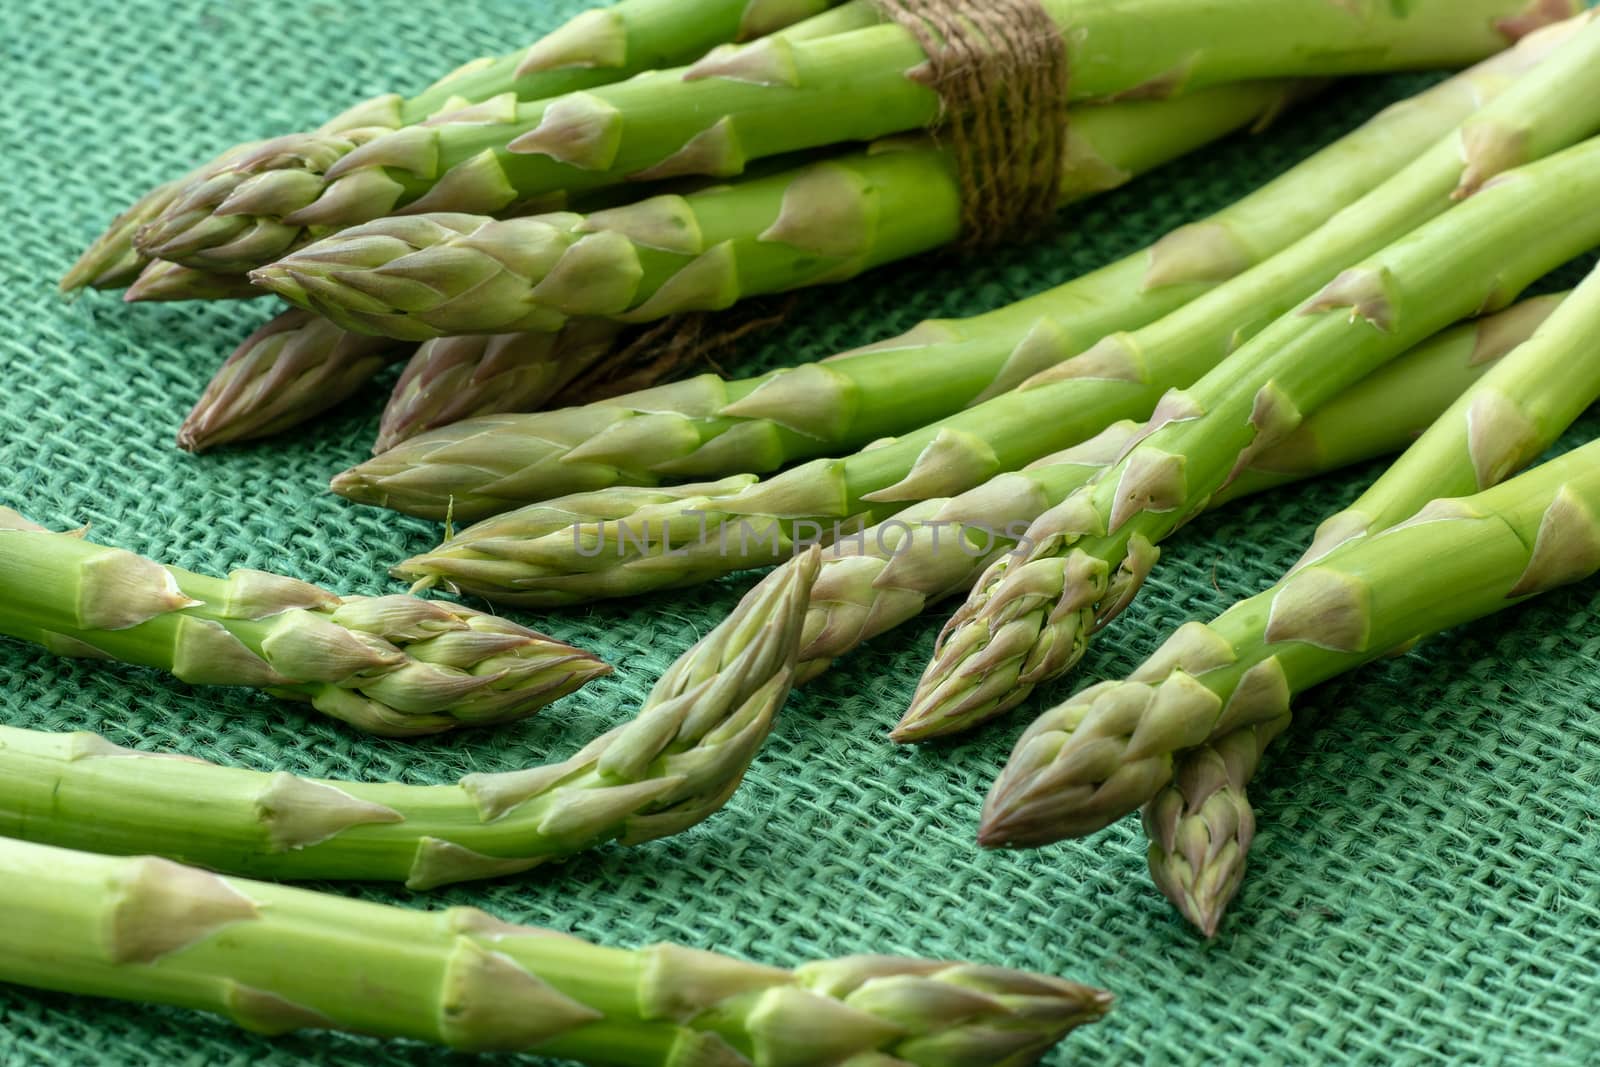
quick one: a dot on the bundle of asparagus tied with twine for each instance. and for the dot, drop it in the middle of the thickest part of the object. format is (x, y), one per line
(486, 232)
(576, 119)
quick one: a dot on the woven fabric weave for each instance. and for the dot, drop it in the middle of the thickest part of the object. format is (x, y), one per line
(1424, 886)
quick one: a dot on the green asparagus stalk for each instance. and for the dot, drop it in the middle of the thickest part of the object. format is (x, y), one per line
(673, 765)
(1088, 557)
(453, 378)
(293, 368)
(111, 261)
(424, 276)
(1110, 749)
(622, 542)
(391, 665)
(275, 960)
(709, 427)
(1516, 412)
(781, 95)
(251, 210)
(1381, 414)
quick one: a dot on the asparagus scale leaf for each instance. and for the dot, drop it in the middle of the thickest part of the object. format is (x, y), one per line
(391, 665)
(152, 930)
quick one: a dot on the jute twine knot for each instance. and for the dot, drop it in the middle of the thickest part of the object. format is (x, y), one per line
(1000, 69)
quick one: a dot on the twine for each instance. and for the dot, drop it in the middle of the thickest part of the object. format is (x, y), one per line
(1000, 69)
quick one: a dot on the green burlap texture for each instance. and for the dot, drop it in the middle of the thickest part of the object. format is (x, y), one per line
(1424, 886)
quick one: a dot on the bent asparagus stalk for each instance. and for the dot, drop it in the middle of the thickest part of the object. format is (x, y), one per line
(1090, 555)
(424, 276)
(251, 209)
(1108, 750)
(452, 378)
(292, 369)
(1381, 414)
(1200, 824)
(1093, 552)
(150, 930)
(394, 665)
(780, 95)
(622, 542)
(709, 427)
(673, 765)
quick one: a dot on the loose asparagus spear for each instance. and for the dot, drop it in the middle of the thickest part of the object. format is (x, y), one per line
(672, 766)
(1090, 555)
(779, 95)
(617, 543)
(708, 427)
(1108, 750)
(1382, 413)
(451, 378)
(1516, 412)
(392, 665)
(423, 276)
(275, 959)
(296, 366)
(252, 209)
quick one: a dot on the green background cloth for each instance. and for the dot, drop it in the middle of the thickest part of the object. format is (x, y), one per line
(1425, 884)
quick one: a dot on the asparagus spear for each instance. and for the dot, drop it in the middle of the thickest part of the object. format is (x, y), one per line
(780, 95)
(423, 276)
(1108, 750)
(618, 543)
(111, 261)
(451, 378)
(1516, 412)
(1382, 413)
(275, 959)
(248, 211)
(708, 427)
(1089, 556)
(296, 366)
(672, 766)
(392, 665)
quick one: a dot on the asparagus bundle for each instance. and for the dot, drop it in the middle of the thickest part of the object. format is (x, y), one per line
(425, 276)
(1030, 618)
(391, 665)
(1108, 750)
(1381, 414)
(674, 764)
(1201, 823)
(709, 427)
(1064, 588)
(624, 541)
(254, 203)
(780, 95)
(275, 960)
